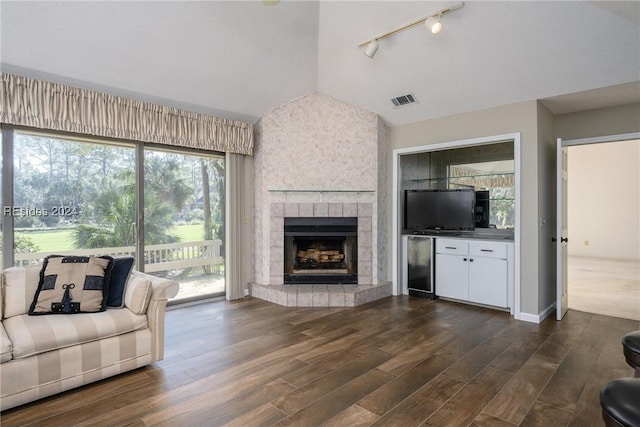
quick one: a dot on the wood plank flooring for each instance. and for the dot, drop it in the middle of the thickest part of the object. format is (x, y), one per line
(399, 361)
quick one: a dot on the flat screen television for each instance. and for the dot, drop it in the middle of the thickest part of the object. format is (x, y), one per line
(439, 210)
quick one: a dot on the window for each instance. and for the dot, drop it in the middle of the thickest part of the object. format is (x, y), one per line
(71, 196)
(81, 196)
(498, 179)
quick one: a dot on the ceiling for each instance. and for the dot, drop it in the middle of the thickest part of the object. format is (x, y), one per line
(239, 59)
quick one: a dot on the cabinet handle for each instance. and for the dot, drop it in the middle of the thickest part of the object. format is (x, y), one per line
(464, 259)
(470, 259)
(450, 247)
(486, 250)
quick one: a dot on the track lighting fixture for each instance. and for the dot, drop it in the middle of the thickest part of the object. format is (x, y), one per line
(432, 22)
(372, 48)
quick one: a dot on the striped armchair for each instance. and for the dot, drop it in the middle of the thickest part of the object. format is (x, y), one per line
(45, 355)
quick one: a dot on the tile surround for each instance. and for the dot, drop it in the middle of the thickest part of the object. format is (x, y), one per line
(321, 295)
(320, 210)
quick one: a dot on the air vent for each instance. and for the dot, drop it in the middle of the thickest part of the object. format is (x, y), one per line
(403, 100)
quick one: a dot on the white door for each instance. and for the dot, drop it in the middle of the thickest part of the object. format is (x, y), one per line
(452, 276)
(562, 297)
(488, 281)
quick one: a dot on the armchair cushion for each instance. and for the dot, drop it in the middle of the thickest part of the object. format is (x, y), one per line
(5, 345)
(32, 335)
(20, 284)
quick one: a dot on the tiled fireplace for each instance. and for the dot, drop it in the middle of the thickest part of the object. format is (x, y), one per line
(320, 162)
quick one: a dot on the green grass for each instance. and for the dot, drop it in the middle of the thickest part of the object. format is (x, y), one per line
(189, 232)
(62, 240)
(52, 240)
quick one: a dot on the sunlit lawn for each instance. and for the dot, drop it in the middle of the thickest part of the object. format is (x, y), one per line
(62, 240)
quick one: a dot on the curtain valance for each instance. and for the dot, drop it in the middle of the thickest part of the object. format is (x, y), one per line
(46, 105)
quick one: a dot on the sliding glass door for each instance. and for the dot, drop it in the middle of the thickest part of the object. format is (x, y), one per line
(98, 197)
(183, 217)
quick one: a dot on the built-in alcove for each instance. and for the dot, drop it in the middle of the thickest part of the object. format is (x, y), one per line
(478, 165)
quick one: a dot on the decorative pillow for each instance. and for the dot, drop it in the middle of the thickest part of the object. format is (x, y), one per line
(121, 268)
(72, 284)
(138, 295)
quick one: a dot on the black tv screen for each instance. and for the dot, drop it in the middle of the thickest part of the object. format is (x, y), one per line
(439, 209)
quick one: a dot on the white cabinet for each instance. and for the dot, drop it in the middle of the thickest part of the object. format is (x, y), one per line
(474, 270)
(452, 271)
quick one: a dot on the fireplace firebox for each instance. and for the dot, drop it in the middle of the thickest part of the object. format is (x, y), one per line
(320, 250)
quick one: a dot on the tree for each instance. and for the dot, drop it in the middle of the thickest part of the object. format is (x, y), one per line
(217, 166)
(114, 214)
(206, 198)
(22, 243)
(113, 208)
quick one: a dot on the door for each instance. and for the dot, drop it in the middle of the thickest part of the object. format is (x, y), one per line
(562, 296)
(488, 281)
(419, 263)
(452, 276)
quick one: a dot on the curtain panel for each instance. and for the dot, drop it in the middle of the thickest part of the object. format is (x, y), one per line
(45, 105)
(238, 243)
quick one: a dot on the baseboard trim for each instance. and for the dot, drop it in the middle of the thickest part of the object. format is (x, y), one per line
(538, 318)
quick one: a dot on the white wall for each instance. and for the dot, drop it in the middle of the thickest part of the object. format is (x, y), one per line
(604, 200)
(514, 118)
(546, 208)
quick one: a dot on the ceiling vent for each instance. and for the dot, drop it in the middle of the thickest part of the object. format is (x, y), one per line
(403, 100)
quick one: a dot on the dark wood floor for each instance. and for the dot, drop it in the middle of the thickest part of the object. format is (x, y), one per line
(398, 361)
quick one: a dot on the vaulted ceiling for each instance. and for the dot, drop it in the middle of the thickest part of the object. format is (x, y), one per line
(239, 59)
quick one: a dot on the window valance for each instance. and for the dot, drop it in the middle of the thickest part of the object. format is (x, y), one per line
(46, 105)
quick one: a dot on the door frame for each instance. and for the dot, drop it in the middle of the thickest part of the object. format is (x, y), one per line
(562, 199)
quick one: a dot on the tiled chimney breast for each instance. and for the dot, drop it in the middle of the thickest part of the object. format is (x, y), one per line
(319, 156)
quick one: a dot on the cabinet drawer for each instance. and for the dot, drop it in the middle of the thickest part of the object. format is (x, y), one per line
(451, 246)
(488, 249)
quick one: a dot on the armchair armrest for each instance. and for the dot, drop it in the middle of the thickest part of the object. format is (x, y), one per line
(161, 291)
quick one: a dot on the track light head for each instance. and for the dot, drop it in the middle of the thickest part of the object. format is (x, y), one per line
(434, 24)
(372, 48)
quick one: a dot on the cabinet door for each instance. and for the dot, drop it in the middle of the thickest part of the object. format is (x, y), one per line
(419, 263)
(488, 281)
(452, 276)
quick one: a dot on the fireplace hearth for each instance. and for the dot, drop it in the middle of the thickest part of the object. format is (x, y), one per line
(320, 250)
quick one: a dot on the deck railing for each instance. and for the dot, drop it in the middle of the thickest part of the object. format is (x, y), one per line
(205, 254)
